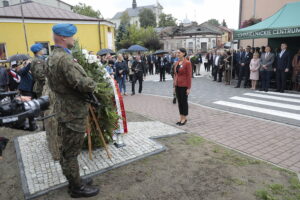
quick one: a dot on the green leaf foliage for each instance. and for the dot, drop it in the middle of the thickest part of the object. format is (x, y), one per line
(147, 18)
(86, 10)
(166, 20)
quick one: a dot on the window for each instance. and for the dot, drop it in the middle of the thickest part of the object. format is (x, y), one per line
(3, 55)
(46, 47)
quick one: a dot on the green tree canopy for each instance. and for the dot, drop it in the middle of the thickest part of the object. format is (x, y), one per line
(125, 19)
(86, 10)
(147, 18)
(166, 20)
(214, 22)
(146, 37)
(224, 23)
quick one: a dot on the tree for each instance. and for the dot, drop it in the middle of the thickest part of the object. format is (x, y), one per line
(122, 30)
(125, 19)
(146, 37)
(214, 22)
(166, 20)
(224, 23)
(147, 18)
(86, 10)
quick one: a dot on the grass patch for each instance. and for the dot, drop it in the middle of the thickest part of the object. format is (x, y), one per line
(264, 195)
(294, 183)
(283, 170)
(280, 192)
(237, 181)
(277, 188)
(195, 140)
(238, 160)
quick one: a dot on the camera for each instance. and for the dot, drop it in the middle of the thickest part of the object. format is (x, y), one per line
(15, 113)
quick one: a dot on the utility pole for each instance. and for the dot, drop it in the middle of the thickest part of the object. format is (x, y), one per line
(24, 28)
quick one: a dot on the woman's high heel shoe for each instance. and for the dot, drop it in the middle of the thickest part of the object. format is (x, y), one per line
(183, 123)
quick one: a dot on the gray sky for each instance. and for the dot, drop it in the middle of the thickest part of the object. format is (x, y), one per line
(195, 10)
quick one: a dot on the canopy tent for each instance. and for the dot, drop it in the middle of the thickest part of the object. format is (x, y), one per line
(284, 23)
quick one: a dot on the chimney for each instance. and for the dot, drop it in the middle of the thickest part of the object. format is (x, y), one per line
(134, 5)
(5, 3)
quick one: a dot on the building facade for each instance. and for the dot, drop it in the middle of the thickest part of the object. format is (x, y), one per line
(134, 13)
(194, 38)
(259, 9)
(17, 36)
(53, 3)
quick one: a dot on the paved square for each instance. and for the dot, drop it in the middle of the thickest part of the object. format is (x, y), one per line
(40, 174)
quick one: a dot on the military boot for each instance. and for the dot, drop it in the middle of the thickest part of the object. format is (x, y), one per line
(84, 191)
(84, 181)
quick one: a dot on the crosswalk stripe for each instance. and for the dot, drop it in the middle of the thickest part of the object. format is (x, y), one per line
(268, 103)
(273, 97)
(260, 110)
(280, 94)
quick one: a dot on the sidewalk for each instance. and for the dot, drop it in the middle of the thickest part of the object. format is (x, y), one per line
(270, 141)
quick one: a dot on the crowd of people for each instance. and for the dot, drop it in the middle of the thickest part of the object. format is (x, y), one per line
(256, 67)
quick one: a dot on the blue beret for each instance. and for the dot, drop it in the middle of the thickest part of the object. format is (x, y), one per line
(36, 47)
(67, 30)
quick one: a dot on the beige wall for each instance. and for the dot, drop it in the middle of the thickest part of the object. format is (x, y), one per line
(264, 9)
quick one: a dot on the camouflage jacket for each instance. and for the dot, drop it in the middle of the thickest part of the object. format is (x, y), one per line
(70, 83)
(38, 67)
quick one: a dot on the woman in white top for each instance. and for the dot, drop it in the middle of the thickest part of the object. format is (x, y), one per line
(254, 70)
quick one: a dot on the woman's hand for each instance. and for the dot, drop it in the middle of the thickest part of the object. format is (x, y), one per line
(188, 91)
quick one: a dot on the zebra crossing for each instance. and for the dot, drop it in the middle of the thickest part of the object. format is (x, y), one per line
(273, 104)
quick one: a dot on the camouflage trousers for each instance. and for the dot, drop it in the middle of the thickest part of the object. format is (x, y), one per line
(71, 146)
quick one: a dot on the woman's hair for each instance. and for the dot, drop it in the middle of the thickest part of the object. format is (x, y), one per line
(257, 54)
(183, 50)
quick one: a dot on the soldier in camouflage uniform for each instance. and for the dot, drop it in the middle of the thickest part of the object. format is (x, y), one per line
(70, 83)
(38, 69)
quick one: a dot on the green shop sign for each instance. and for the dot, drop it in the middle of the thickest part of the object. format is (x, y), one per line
(267, 33)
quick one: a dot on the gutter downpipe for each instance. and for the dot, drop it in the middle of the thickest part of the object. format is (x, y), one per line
(99, 35)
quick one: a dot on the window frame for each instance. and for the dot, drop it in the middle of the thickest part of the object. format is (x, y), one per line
(5, 50)
(42, 42)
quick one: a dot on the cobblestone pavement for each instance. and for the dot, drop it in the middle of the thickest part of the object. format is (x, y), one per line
(40, 174)
(274, 142)
(279, 107)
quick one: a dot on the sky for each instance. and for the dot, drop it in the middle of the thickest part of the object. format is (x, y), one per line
(194, 10)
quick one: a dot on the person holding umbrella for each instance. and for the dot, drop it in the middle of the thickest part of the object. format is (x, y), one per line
(182, 84)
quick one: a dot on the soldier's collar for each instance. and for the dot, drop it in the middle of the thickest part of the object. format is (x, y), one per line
(66, 49)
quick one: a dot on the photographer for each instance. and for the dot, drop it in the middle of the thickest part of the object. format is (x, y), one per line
(26, 84)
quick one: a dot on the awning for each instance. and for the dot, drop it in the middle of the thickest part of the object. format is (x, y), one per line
(284, 23)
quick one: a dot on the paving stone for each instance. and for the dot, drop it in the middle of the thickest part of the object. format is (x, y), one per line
(39, 173)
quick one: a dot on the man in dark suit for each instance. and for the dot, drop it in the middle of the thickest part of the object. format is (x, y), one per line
(238, 57)
(283, 61)
(210, 60)
(266, 69)
(216, 64)
(244, 70)
(139, 69)
(150, 61)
